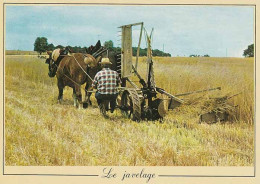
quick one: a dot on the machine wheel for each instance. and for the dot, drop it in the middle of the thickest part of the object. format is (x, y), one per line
(131, 104)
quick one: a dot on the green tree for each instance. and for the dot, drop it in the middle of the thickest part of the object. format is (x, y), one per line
(249, 52)
(50, 47)
(40, 44)
(59, 46)
(109, 44)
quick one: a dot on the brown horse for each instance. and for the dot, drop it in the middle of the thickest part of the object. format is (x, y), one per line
(77, 69)
(71, 70)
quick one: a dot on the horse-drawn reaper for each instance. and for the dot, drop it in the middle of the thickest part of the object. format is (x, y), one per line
(134, 101)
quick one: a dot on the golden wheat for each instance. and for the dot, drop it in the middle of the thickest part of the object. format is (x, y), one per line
(38, 131)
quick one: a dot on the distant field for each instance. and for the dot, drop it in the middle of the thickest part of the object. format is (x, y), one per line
(38, 131)
(19, 52)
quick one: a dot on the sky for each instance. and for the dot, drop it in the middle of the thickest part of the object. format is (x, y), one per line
(218, 31)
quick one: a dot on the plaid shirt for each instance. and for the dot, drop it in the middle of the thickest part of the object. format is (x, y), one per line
(106, 81)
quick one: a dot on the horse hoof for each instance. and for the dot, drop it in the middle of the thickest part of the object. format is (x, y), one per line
(80, 106)
(85, 105)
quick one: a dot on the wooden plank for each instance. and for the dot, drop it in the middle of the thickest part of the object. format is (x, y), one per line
(127, 53)
(129, 25)
(138, 48)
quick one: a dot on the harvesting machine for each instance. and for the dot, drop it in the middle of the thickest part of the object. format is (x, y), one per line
(141, 101)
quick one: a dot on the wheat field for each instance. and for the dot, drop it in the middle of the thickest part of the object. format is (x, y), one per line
(41, 132)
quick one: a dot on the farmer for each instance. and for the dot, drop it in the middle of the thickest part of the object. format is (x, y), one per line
(106, 81)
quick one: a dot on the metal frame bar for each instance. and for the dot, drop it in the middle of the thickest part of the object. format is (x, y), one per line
(200, 91)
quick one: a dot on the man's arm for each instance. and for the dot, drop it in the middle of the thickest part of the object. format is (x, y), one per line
(94, 83)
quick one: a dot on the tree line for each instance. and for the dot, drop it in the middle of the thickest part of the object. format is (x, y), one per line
(41, 45)
(195, 55)
(248, 52)
(142, 52)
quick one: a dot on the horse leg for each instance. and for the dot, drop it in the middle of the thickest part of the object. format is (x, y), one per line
(74, 97)
(60, 86)
(88, 94)
(78, 97)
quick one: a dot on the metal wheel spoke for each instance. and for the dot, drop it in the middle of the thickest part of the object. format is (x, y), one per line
(131, 104)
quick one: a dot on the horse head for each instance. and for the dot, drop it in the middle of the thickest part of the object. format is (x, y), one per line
(54, 59)
(92, 49)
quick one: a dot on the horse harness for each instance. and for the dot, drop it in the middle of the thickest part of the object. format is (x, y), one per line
(85, 56)
(57, 62)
